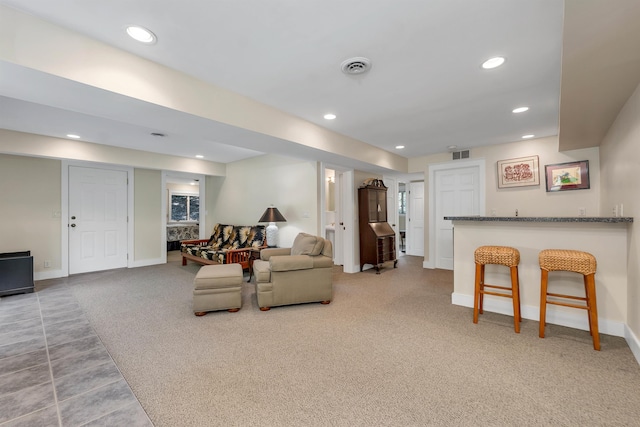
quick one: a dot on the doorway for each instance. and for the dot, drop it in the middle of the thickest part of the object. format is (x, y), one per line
(402, 217)
(184, 208)
(392, 208)
(337, 192)
(415, 234)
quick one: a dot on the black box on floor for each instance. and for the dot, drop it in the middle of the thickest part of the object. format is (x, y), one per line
(16, 273)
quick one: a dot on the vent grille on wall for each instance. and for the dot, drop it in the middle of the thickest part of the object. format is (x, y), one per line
(464, 154)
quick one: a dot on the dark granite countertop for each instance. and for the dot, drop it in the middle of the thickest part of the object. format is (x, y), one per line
(601, 219)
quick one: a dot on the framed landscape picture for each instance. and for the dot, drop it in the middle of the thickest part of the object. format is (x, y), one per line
(567, 176)
(519, 172)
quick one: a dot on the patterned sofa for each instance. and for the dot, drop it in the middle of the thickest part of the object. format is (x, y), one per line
(178, 232)
(229, 244)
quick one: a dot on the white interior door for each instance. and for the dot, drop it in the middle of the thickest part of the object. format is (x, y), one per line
(97, 219)
(346, 225)
(415, 220)
(457, 194)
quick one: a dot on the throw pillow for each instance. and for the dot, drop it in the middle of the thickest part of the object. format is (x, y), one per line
(307, 244)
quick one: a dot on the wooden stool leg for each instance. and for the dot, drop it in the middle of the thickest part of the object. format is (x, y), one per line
(476, 293)
(593, 309)
(515, 295)
(482, 267)
(544, 278)
(586, 293)
(519, 300)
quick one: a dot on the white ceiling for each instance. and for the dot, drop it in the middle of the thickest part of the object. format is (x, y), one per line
(426, 89)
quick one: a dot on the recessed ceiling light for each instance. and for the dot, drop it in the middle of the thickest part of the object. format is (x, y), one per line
(520, 110)
(329, 116)
(399, 147)
(527, 136)
(452, 147)
(493, 62)
(72, 135)
(199, 156)
(141, 34)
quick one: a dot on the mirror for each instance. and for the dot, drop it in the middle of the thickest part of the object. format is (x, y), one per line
(331, 204)
(330, 192)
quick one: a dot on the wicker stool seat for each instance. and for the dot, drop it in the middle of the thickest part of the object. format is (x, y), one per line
(578, 262)
(499, 255)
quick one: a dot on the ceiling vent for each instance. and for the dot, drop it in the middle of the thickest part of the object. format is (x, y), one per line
(457, 155)
(357, 65)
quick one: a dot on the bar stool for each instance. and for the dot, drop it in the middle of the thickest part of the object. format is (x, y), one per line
(576, 261)
(501, 255)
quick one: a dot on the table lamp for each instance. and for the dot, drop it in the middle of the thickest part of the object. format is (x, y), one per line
(272, 215)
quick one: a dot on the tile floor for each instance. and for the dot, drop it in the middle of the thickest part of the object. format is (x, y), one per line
(54, 370)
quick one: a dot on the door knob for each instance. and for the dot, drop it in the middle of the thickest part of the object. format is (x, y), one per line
(73, 225)
(73, 217)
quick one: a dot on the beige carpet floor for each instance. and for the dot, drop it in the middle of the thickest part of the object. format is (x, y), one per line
(390, 350)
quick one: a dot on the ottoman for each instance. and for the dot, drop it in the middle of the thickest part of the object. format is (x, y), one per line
(217, 287)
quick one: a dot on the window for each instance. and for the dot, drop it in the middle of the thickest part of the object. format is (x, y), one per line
(185, 207)
(402, 202)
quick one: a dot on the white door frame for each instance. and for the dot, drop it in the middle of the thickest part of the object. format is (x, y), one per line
(345, 226)
(455, 164)
(64, 207)
(392, 211)
(203, 229)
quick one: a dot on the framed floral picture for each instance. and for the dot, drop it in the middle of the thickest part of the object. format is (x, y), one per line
(518, 172)
(567, 176)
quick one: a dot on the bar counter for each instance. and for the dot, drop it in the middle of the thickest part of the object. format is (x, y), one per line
(603, 219)
(604, 237)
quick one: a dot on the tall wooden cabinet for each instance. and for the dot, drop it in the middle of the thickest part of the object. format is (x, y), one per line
(377, 238)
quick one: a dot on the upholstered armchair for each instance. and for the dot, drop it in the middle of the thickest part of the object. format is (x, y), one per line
(300, 274)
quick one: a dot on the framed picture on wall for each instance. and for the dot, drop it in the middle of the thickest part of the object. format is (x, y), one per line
(520, 172)
(567, 176)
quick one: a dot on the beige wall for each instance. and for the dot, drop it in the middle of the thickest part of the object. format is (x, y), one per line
(213, 193)
(30, 208)
(252, 185)
(148, 240)
(532, 200)
(536, 201)
(620, 162)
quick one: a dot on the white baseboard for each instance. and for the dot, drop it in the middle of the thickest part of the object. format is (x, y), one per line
(49, 274)
(147, 262)
(56, 274)
(634, 343)
(578, 320)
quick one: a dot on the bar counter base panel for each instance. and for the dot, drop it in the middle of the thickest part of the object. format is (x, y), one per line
(606, 240)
